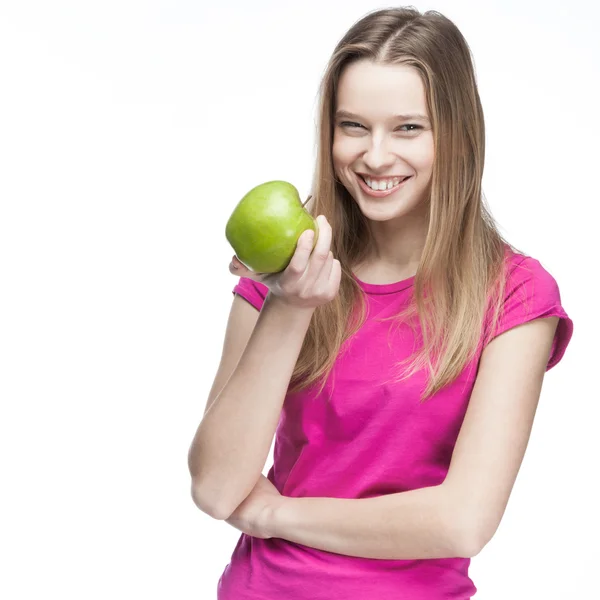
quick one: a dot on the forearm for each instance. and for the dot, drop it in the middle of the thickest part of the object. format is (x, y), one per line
(409, 525)
(234, 438)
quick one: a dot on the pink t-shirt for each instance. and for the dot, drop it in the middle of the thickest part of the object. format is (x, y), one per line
(370, 439)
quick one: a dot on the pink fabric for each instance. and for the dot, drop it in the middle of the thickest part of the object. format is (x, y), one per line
(367, 438)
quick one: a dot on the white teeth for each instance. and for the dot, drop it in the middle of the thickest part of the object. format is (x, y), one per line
(384, 184)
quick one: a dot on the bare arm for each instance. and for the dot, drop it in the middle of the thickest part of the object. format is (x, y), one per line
(460, 516)
(232, 442)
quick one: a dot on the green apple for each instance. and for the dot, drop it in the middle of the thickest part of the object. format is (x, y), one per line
(265, 226)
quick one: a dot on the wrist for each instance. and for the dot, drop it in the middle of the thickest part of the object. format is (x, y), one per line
(274, 525)
(280, 305)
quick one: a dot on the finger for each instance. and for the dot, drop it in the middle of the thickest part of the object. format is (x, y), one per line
(320, 254)
(325, 273)
(336, 272)
(238, 268)
(335, 277)
(321, 285)
(301, 256)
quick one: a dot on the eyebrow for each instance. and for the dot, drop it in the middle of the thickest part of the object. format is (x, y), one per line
(411, 117)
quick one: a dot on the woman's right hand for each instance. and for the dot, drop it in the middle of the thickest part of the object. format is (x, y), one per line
(312, 277)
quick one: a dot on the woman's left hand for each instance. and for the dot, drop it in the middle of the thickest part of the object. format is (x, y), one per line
(253, 515)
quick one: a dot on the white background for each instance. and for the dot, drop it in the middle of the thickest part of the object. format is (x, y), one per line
(128, 132)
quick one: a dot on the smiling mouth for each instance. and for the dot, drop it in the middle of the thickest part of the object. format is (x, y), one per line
(401, 179)
(380, 193)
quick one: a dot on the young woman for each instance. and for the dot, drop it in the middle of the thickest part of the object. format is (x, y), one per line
(398, 363)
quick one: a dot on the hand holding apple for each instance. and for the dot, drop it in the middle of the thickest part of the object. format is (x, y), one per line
(312, 277)
(266, 224)
(270, 232)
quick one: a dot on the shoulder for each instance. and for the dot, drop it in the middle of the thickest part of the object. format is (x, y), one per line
(529, 284)
(532, 292)
(523, 268)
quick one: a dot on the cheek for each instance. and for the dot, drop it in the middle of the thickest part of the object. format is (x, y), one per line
(424, 155)
(337, 154)
(421, 161)
(343, 150)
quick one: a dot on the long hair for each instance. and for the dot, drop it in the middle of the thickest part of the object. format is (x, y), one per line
(462, 270)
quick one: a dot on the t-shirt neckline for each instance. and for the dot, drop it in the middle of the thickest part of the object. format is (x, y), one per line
(385, 288)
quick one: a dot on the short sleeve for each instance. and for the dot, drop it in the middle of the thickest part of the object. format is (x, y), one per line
(532, 293)
(252, 291)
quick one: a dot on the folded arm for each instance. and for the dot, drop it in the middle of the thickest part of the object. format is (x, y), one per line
(460, 516)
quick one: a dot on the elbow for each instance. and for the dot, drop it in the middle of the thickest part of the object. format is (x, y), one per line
(214, 509)
(468, 545)
(471, 523)
(208, 501)
(470, 535)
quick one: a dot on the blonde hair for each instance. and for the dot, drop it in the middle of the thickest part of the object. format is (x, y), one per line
(462, 270)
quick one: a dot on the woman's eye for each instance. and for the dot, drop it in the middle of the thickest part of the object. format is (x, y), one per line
(416, 127)
(354, 125)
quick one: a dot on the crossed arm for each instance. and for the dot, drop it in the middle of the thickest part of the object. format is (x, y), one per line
(460, 516)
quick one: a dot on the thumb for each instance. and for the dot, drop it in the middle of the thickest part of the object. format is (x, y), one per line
(238, 268)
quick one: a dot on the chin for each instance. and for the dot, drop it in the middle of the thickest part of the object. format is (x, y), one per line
(376, 210)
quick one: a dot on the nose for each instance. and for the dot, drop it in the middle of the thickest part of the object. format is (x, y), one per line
(377, 157)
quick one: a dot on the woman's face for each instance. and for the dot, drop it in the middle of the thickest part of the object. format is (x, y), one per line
(374, 141)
